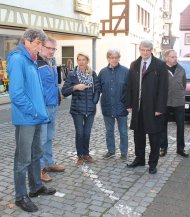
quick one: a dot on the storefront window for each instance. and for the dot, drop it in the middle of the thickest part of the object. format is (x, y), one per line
(8, 44)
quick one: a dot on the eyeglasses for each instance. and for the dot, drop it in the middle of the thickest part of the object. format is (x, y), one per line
(50, 48)
(114, 57)
(173, 57)
(146, 50)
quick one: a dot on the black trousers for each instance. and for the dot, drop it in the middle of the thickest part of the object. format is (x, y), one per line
(140, 143)
(179, 117)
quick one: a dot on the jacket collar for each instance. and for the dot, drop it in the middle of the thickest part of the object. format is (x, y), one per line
(24, 51)
(151, 66)
(109, 67)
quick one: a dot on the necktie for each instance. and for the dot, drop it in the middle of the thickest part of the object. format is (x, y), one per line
(144, 69)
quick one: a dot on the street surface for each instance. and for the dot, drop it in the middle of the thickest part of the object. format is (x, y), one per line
(104, 189)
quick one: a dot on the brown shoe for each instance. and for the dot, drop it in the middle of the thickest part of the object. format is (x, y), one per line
(44, 176)
(80, 161)
(89, 159)
(55, 168)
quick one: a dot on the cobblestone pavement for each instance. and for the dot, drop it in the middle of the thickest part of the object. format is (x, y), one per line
(106, 188)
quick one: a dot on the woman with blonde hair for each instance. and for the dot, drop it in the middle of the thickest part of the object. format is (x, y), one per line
(82, 83)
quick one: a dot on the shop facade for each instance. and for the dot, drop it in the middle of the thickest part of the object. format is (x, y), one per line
(76, 23)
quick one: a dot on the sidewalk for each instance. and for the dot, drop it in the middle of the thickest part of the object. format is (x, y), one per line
(174, 198)
(4, 98)
(105, 189)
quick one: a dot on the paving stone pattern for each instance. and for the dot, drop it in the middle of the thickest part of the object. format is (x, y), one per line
(104, 189)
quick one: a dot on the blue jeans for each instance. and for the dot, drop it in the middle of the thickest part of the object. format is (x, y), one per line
(179, 117)
(83, 126)
(46, 136)
(110, 137)
(27, 159)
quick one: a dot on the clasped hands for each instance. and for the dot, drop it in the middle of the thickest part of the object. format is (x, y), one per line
(80, 87)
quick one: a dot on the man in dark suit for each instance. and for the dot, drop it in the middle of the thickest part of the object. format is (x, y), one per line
(147, 97)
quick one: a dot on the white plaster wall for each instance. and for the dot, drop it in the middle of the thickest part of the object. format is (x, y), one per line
(84, 46)
(57, 7)
(136, 28)
(183, 49)
(122, 43)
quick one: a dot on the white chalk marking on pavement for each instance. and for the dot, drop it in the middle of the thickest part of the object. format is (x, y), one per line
(59, 194)
(126, 210)
(123, 209)
(97, 182)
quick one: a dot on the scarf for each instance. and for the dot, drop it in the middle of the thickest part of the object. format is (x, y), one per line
(172, 68)
(84, 78)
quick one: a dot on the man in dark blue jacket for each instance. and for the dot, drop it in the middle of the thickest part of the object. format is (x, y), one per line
(113, 81)
(48, 73)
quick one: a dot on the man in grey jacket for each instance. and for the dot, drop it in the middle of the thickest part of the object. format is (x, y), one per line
(175, 103)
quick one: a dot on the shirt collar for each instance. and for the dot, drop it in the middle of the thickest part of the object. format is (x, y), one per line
(147, 61)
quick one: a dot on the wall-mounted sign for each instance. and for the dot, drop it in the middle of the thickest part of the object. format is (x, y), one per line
(165, 40)
(83, 6)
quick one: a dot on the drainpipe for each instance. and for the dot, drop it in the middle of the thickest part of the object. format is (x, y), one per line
(94, 54)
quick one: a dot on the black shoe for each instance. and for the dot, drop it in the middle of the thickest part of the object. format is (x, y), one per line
(152, 170)
(183, 153)
(135, 164)
(43, 191)
(26, 204)
(108, 155)
(163, 152)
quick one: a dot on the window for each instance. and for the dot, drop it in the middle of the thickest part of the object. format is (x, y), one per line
(143, 17)
(187, 38)
(68, 54)
(7, 44)
(138, 13)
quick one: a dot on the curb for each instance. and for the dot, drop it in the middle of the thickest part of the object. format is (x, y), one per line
(4, 99)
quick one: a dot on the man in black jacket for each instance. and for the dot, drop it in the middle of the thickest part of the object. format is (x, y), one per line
(146, 99)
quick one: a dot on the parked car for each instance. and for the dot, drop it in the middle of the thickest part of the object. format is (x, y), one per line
(185, 63)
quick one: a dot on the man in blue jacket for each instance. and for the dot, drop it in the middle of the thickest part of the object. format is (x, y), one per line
(113, 81)
(28, 113)
(49, 77)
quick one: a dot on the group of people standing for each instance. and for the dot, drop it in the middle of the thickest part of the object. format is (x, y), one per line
(148, 90)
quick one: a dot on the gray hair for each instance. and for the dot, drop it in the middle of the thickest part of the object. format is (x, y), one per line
(167, 52)
(52, 40)
(113, 51)
(146, 44)
(32, 34)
